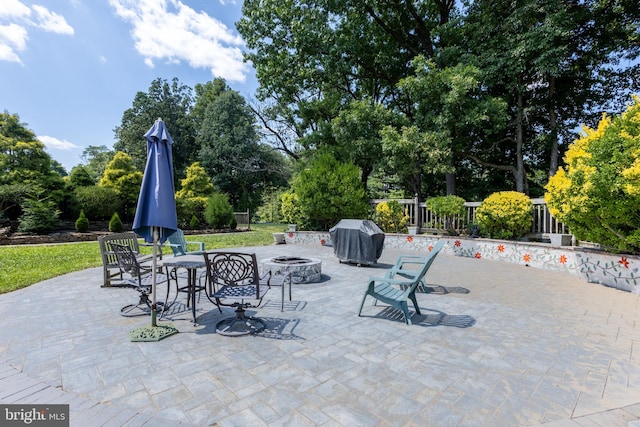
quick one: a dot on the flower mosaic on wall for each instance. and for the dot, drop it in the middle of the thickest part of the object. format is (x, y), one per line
(616, 271)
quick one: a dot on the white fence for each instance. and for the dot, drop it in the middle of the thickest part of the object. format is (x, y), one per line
(543, 223)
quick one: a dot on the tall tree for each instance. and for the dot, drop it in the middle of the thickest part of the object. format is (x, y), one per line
(24, 164)
(551, 62)
(95, 159)
(230, 151)
(320, 62)
(122, 176)
(172, 103)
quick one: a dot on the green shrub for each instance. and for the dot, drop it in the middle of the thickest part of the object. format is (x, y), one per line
(597, 193)
(505, 215)
(290, 208)
(218, 212)
(391, 217)
(234, 223)
(446, 208)
(271, 208)
(194, 223)
(98, 203)
(38, 216)
(328, 191)
(115, 225)
(82, 223)
(186, 209)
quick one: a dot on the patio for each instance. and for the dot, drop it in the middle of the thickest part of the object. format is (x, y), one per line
(497, 344)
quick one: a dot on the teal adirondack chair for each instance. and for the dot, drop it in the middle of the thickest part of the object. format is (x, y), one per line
(396, 291)
(179, 245)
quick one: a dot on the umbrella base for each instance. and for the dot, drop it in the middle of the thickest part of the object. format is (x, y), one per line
(152, 333)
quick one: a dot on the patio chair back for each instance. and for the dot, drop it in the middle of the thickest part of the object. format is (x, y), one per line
(110, 267)
(234, 276)
(179, 244)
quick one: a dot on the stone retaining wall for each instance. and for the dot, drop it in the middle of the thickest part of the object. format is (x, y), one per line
(616, 271)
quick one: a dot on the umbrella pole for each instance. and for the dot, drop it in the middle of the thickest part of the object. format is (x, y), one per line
(154, 231)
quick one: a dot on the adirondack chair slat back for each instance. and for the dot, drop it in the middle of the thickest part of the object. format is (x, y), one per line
(423, 270)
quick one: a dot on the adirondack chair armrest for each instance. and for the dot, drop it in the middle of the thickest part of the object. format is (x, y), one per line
(390, 281)
(200, 245)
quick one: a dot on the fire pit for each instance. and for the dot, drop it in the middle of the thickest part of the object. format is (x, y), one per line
(303, 270)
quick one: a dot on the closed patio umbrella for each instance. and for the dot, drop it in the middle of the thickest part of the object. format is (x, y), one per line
(156, 216)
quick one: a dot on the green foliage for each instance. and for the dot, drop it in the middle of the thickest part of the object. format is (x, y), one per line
(270, 210)
(231, 152)
(234, 223)
(505, 215)
(115, 224)
(196, 184)
(12, 197)
(187, 209)
(357, 132)
(170, 101)
(80, 177)
(194, 223)
(82, 223)
(24, 161)
(121, 175)
(95, 159)
(391, 217)
(290, 208)
(218, 212)
(39, 216)
(98, 203)
(597, 193)
(446, 208)
(329, 191)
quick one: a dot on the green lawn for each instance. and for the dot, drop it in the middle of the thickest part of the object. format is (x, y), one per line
(24, 265)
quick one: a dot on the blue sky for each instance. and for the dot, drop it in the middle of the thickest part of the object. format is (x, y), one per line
(70, 68)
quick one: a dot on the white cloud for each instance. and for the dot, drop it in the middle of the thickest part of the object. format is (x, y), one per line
(15, 18)
(102, 59)
(51, 21)
(14, 9)
(171, 31)
(55, 143)
(13, 39)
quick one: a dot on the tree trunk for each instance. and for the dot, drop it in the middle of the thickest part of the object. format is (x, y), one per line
(519, 172)
(450, 179)
(553, 126)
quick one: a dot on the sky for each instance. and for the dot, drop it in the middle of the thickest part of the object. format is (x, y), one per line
(70, 68)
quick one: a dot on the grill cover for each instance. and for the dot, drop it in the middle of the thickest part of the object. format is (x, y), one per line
(358, 241)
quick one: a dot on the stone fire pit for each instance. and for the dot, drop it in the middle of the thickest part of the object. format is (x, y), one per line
(303, 270)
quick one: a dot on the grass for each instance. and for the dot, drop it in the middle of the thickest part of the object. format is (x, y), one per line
(24, 265)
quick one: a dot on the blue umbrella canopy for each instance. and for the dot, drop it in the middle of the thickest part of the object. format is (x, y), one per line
(156, 209)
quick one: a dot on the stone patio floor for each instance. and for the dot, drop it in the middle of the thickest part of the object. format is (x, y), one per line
(497, 344)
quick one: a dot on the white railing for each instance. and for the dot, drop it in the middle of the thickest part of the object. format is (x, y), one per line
(543, 223)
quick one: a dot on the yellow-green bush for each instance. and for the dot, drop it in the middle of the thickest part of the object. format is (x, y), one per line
(597, 193)
(446, 208)
(391, 217)
(505, 215)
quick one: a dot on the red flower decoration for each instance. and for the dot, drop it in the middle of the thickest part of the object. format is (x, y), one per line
(478, 255)
(409, 239)
(500, 248)
(322, 242)
(526, 257)
(291, 235)
(624, 261)
(563, 259)
(430, 248)
(457, 243)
